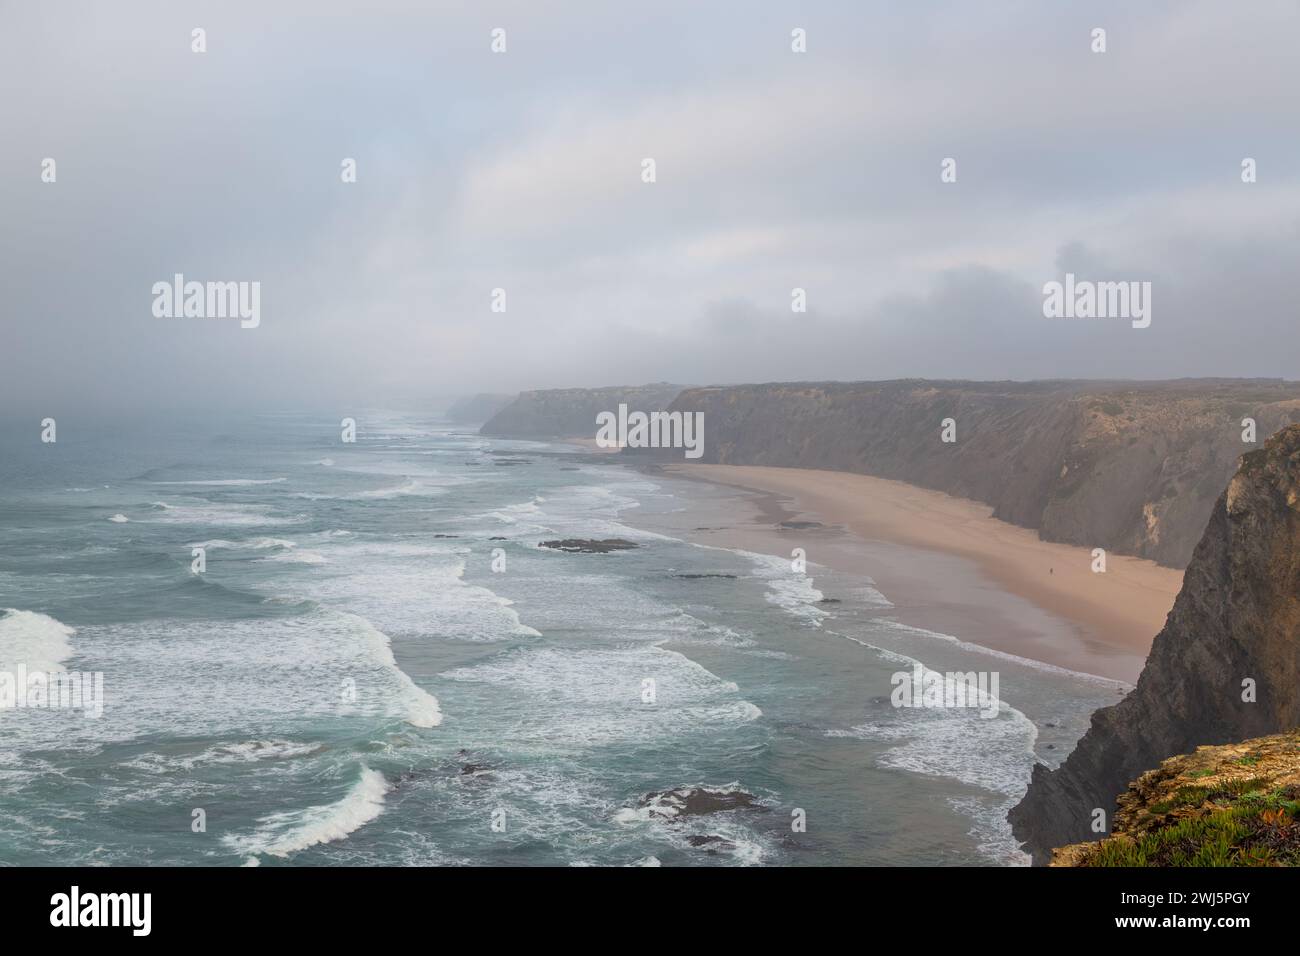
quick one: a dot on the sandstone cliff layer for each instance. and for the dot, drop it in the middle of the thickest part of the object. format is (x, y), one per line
(1127, 466)
(1226, 666)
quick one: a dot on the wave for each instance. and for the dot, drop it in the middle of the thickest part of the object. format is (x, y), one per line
(248, 751)
(422, 708)
(412, 487)
(297, 557)
(582, 698)
(211, 513)
(1006, 656)
(225, 482)
(119, 519)
(412, 589)
(290, 672)
(281, 834)
(793, 593)
(36, 640)
(257, 544)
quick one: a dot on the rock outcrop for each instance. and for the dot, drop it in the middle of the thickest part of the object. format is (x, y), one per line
(1225, 668)
(1234, 805)
(1131, 467)
(571, 412)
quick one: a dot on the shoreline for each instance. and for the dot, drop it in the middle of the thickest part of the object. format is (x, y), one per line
(946, 564)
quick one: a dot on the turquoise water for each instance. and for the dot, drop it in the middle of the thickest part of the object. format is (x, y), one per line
(350, 682)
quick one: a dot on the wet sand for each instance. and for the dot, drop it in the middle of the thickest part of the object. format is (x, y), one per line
(944, 563)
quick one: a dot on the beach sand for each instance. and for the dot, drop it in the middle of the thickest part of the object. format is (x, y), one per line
(945, 563)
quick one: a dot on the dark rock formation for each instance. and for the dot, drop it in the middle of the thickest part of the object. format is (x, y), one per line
(1133, 467)
(1236, 620)
(589, 545)
(571, 412)
(698, 801)
(711, 842)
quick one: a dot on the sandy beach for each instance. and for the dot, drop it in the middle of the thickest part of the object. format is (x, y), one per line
(948, 565)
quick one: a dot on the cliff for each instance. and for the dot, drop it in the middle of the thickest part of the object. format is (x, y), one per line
(1226, 666)
(1133, 467)
(1235, 805)
(571, 412)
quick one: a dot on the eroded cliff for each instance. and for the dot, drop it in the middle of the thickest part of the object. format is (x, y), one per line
(1225, 668)
(571, 412)
(1130, 467)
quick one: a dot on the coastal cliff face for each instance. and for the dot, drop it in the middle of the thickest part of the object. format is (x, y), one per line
(1130, 467)
(571, 412)
(1226, 666)
(1234, 805)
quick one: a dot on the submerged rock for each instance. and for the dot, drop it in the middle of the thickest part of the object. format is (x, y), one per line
(589, 545)
(698, 801)
(712, 843)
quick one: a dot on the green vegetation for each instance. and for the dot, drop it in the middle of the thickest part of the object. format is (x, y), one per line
(1260, 830)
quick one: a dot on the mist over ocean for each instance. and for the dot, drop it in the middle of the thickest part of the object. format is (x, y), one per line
(350, 682)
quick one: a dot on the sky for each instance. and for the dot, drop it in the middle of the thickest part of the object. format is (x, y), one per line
(522, 170)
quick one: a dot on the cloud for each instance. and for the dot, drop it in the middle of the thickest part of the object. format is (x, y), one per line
(521, 171)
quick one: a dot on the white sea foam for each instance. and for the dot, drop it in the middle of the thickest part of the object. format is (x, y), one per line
(663, 813)
(256, 544)
(411, 589)
(411, 487)
(36, 640)
(1003, 655)
(995, 754)
(282, 834)
(422, 708)
(200, 678)
(248, 751)
(793, 593)
(119, 519)
(297, 557)
(222, 482)
(579, 698)
(211, 513)
(991, 829)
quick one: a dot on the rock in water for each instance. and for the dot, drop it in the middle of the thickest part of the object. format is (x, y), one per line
(1226, 666)
(589, 545)
(698, 801)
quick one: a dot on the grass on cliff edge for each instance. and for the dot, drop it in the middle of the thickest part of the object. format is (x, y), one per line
(1260, 830)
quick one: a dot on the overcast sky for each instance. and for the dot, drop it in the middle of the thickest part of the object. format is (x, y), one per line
(522, 170)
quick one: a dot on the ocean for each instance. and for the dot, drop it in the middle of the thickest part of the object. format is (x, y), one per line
(379, 665)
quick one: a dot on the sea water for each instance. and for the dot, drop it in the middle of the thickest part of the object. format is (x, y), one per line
(378, 664)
